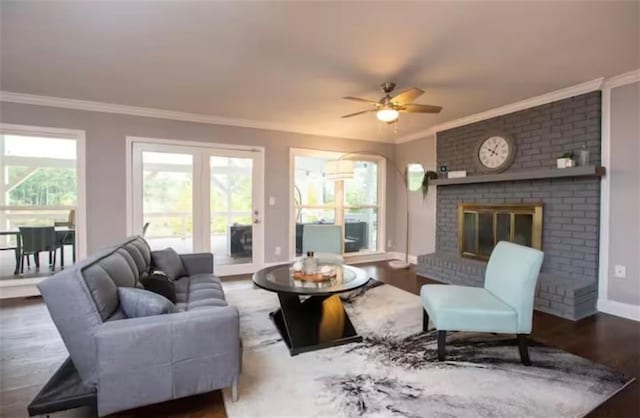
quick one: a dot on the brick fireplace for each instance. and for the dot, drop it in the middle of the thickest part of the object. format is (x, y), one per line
(569, 200)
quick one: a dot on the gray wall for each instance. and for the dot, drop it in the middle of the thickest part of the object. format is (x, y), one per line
(105, 163)
(571, 206)
(624, 204)
(422, 212)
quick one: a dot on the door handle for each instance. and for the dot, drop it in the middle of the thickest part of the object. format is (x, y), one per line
(256, 217)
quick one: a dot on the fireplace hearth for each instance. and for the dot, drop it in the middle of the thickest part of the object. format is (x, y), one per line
(482, 226)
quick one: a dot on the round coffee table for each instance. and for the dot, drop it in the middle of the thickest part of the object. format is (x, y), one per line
(319, 321)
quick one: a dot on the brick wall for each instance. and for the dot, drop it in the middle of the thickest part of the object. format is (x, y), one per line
(570, 222)
(571, 206)
(541, 134)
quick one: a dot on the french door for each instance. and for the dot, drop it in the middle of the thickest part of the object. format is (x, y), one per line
(200, 199)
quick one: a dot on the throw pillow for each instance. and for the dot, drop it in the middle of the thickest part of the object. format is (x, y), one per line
(160, 284)
(169, 262)
(136, 303)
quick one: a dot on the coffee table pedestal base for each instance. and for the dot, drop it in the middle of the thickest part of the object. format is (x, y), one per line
(314, 323)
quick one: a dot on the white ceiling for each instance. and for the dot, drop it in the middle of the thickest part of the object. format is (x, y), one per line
(290, 63)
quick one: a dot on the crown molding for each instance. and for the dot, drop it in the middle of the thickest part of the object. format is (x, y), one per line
(553, 96)
(94, 106)
(148, 112)
(623, 79)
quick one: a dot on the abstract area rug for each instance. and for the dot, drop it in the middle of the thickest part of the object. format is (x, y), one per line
(394, 371)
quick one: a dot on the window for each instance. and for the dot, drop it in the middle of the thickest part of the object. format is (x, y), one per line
(38, 187)
(354, 203)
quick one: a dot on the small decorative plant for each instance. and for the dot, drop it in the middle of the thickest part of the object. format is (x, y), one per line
(565, 160)
(428, 176)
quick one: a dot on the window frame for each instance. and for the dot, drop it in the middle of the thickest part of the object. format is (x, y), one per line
(340, 206)
(26, 286)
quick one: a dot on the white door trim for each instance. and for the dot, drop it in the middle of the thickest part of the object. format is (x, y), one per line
(604, 303)
(26, 287)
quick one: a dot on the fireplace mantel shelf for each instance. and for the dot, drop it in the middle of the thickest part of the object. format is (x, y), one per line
(538, 174)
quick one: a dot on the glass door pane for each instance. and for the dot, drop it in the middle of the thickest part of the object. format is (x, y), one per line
(167, 200)
(232, 210)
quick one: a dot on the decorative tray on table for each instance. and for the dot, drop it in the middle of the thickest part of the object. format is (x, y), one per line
(323, 273)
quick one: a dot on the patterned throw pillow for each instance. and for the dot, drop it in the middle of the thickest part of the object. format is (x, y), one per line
(159, 283)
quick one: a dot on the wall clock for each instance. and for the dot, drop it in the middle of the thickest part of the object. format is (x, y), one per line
(495, 153)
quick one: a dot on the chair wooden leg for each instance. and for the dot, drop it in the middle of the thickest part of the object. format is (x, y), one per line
(442, 340)
(425, 320)
(524, 349)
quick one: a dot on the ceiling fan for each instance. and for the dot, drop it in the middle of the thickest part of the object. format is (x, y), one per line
(388, 108)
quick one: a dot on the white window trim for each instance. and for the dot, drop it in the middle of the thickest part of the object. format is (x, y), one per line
(26, 287)
(382, 198)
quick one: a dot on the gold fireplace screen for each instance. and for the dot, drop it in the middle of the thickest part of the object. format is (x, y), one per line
(481, 227)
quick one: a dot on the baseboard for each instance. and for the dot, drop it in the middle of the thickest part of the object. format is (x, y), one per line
(355, 258)
(624, 310)
(19, 288)
(395, 255)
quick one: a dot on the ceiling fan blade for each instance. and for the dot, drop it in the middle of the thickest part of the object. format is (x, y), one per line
(407, 96)
(358, 113)
(358, 99)
(420, 108)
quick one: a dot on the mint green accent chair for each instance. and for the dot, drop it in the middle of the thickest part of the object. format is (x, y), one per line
(503, 305)
(325, 241)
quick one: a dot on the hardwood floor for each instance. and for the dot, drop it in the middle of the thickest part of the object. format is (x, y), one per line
(31, 350)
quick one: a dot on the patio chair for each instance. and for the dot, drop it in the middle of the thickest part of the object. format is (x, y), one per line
(37, 239)
(144, 229)
(70, 222)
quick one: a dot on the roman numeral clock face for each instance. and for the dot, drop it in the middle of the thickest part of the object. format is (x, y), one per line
(495, 153)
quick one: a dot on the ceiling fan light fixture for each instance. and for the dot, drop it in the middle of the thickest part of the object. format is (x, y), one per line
(387, 114)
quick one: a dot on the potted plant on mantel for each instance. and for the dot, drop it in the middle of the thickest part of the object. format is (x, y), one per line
(565, 160)
(428, 176)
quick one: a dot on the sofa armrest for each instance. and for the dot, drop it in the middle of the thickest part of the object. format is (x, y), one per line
(157, 358)
(198, 263)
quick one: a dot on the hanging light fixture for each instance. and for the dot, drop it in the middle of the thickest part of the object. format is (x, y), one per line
(387, 114)
(339, 169)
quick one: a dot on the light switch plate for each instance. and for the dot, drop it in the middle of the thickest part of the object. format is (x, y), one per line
(620, 271)
(272, 201)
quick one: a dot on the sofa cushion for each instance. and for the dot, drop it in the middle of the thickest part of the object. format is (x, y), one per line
(140, 252)
(199, 291)
(102, 288)
(137, 303)
(169, 262)
(160, 284)
(118, 266)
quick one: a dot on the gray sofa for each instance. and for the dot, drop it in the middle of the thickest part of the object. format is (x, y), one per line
(131, 362)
